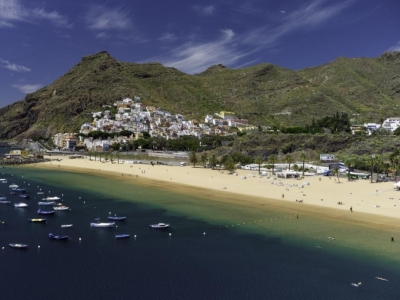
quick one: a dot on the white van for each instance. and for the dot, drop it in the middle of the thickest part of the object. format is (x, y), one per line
(182, 164)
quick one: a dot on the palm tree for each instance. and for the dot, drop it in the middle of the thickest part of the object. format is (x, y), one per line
(289, 160)
(203, 158)
(230, 165)
(371, 162)
(304, 158)
(193, 158)
(259, 162)
(272, 159)
(336, 172)
(349, 163)
(213, 161)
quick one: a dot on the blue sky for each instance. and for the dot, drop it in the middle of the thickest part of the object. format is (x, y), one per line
(40, 40)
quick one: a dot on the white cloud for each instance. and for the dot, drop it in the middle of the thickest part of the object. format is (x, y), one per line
(282, 12)
(27, 88)
(103, 35)
(13, 67)
(204, 10)
(100, 17)
(308, 17)
(12, 11)
(231, 48)
(53, 17)
(395, 48)
(194, 58)
(168, 37)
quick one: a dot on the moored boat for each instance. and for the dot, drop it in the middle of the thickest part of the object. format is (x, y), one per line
(122, 236)
(159, 226)
(24, 196)
(37, 220)
(3, 198)
(13, 186)
(47, 203)
(20, 204)
(45, 212)
(60, 207)
(58, 237)
(5, 202)
(51, 198)
(66, 225)
(110, 224)
(115, 218)
(19, 190)
(18, 246)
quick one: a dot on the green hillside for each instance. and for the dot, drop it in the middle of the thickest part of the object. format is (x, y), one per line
(265, 94)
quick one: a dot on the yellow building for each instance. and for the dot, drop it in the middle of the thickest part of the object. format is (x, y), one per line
(227, 115)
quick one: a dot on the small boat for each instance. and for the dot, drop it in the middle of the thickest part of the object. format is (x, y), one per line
(159, 226)
(51, 198)
(98, 224)
(37, 220)
(115, 218)
(58, 237)
(19, 190)
(20, 204)
(5, 202)
(3, 198)
(40, 193)
(19, 246)
(45, 212)
(121, 236)
(60, 207)
(24, 196)
(4, 181)
(66, 226)
(47, 203)
(110, 224)
(13, 186)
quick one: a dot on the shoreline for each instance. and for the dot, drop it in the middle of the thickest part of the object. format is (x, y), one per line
(261, 193)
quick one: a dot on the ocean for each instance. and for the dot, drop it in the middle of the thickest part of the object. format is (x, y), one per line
(212, 251)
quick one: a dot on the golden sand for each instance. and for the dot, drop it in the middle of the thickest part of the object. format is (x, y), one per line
(374, 204)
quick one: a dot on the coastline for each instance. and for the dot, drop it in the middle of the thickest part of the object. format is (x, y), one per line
(374, 205)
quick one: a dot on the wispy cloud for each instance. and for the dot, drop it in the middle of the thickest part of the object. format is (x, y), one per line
(100, 17)
(168, 37)
(27, 88)
(12, 11)
(194, 58)
(308, 17)
(395, 48)
(13, 67)
(231, 49)
(204, 10)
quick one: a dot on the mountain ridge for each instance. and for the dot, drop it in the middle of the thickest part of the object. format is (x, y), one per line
(266, 94)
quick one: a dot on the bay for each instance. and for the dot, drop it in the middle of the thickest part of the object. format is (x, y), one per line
(215, 251)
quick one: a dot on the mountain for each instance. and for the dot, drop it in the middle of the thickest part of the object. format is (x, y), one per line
(265, 94)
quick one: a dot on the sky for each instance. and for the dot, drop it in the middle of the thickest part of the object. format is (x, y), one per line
(40, 40)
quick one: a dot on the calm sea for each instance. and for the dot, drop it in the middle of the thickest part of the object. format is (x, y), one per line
(213, 250)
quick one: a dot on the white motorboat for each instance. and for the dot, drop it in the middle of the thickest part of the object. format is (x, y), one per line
(20, 204)
(60, 207)
(110, 224)
(51, 198)
(13, 186)
(66, 226)
(159, 226)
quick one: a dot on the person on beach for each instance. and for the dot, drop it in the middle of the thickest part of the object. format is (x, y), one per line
(351, 208)
(283, 196)
(392, 239)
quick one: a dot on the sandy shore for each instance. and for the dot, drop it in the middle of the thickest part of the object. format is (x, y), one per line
(375, 203)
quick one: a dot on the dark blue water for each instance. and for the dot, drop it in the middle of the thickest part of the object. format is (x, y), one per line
(188, 264)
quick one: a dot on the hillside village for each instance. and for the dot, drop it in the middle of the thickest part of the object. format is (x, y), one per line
(133, 116)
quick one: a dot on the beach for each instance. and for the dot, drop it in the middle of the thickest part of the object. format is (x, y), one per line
(371, 203)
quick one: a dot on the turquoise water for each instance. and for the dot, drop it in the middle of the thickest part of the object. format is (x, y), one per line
(215, 250)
